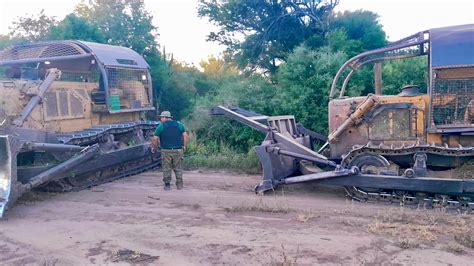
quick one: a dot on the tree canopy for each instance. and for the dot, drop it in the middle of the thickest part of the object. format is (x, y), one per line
(124, 23)
(261, 34)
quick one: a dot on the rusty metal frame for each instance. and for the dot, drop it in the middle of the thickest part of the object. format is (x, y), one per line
(362, 59)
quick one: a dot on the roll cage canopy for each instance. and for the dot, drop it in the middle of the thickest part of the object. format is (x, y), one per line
(54, 51)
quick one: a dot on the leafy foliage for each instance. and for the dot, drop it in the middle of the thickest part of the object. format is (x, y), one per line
(305, 81)
(125, 23)
(400, 73)
(75, 27)
(33, 28)
(355, 32)
(261, 34)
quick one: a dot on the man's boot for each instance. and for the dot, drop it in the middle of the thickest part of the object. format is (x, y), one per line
(167, 186)
(179, 186)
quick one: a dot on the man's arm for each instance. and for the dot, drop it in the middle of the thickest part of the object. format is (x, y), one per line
(155, 143)
(184, 134)
(185, 139)
(155, 140)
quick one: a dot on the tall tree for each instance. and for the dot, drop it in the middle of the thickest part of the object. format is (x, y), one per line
(215, 66)
(74, 27)
(261, 34)
(124, 23)
(5, 41)
(356, 32)
(32, 28)
(304, 83)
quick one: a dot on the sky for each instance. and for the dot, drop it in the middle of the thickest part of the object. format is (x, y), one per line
(184, 34)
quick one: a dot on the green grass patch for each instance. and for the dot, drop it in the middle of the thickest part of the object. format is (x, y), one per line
(221, 157)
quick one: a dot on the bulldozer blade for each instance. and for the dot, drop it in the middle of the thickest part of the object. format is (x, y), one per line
(8, 178)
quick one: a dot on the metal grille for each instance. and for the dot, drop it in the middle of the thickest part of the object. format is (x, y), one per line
(92, 76)
(394, 124)
(51, 105)
(41, 50)
(452, 103)
(63, 104)
(76, 106)
(131, 85)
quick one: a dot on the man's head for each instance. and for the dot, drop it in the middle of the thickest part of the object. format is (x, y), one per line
(165, 115)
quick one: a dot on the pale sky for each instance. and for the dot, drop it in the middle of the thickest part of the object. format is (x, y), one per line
(184, 34)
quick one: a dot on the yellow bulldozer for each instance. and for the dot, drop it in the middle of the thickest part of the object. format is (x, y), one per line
(416, 147)
(73, 114)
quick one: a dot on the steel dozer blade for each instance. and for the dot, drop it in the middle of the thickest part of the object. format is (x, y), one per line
(11, 189)
(286, 144)
(8, 179)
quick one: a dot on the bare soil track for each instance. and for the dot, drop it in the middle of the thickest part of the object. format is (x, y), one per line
(217, 219)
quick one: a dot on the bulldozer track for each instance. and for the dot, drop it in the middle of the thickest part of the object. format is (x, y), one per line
(110, 173)
(409, 150)
(97, 133)
(411, 198)
(130, 172)
(91, 179)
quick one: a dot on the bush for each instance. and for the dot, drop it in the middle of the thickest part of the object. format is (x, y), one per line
(220, 156)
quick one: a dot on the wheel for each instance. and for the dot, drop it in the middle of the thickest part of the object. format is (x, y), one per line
(368, 164)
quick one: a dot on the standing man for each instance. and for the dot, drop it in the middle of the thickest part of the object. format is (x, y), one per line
(171, 136)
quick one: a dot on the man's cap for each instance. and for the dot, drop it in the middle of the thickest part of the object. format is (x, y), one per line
(166, 114)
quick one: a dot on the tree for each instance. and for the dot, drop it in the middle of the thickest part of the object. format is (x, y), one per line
(32, 28)
(355, 32)
(5, 41)
(217, 66)
(398, 73)
(304, 82)
(125, 23)
(261, 34)
(78, 28)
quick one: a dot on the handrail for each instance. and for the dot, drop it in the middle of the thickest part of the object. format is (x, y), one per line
(356, 62)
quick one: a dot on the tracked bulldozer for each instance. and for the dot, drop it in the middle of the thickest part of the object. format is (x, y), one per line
(73, 114)
(416, 147)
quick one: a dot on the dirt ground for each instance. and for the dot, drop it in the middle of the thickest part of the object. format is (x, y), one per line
(217, 219)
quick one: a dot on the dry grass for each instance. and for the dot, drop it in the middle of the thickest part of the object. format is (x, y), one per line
(284, 258)
(352, 223)
(194, 206)
(408, 243)
(131, 256)
(462, 231)
(455, 248)
(420, 232)
(422, 225)
(306, 217)
(262, 204)
(466, 171)
(465, 238)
